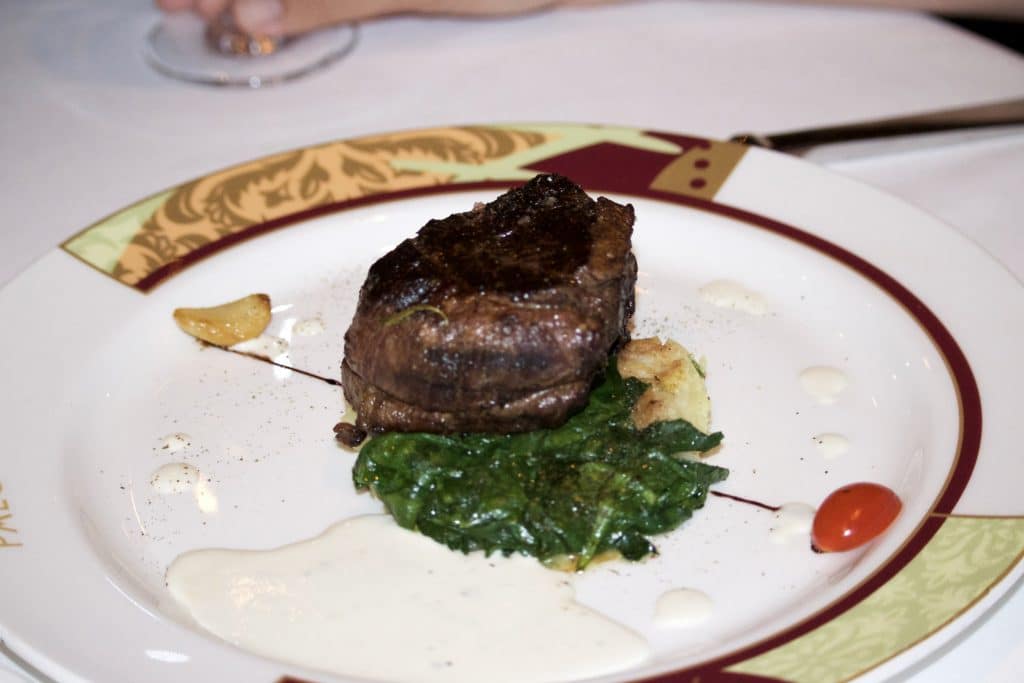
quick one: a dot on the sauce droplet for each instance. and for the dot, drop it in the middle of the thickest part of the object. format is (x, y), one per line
(853, 515)
(823, 383)
(729, 294)
(172, 443)
(309, 328)
(173, 478)
(792, 520)
(267, 345)
(831, 445)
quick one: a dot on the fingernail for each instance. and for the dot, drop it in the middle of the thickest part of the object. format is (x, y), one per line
(259, 16)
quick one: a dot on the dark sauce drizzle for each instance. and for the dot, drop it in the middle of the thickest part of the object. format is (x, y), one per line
(347, 434)
(748, 501)
(264, 359)
(758, 504)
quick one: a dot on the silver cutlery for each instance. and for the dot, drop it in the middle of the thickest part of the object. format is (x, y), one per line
(974, 118)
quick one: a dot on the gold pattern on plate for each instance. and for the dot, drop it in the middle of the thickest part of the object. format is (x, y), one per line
(700, 171)
(8, 534)
(159, 234)
(208, 209)
(146, 238)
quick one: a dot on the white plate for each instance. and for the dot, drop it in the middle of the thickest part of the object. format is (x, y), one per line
(96, 375)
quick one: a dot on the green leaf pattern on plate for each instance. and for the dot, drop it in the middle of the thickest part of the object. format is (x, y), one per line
(956, 569)
(102, 245)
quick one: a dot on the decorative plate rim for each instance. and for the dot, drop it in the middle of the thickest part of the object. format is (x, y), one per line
(679, 169)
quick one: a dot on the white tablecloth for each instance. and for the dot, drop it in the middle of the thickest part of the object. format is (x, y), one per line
(88, 127)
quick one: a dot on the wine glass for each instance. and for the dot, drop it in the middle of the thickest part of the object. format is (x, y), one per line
(183, 46)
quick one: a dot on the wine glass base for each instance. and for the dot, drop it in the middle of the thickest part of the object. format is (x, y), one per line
(178, 46)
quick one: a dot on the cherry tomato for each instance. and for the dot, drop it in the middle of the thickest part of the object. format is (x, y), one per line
(853, 515)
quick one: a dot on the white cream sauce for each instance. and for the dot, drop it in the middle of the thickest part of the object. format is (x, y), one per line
(179, 477)
(729, 294)
(682, 608)
(368, 598)
(831, 445)
(309, 328)
(174, 478)
(205, 496)
(265, 345)
(823, 383)
(792, 521)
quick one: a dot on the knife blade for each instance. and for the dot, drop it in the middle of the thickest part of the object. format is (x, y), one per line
(984, 119)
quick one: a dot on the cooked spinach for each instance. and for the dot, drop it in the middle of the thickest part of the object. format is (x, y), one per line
(566, 495)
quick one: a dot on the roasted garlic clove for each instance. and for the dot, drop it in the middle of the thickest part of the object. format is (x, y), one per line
(676, 389)
(228, 323)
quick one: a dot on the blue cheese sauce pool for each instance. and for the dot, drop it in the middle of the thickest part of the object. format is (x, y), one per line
(347, 601)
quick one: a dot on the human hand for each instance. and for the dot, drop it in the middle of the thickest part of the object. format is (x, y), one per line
(290, 17)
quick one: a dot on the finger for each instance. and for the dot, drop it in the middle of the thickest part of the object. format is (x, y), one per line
(288, 17)
(482, 7)
(174, 5)
(211, 9)
(487, 7)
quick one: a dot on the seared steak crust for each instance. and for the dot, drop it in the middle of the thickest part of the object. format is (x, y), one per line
(494, 320)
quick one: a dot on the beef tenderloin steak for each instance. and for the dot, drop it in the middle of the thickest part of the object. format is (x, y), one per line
(494, 320)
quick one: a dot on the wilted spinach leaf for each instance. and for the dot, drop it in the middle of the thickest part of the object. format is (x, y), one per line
(563, 495)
